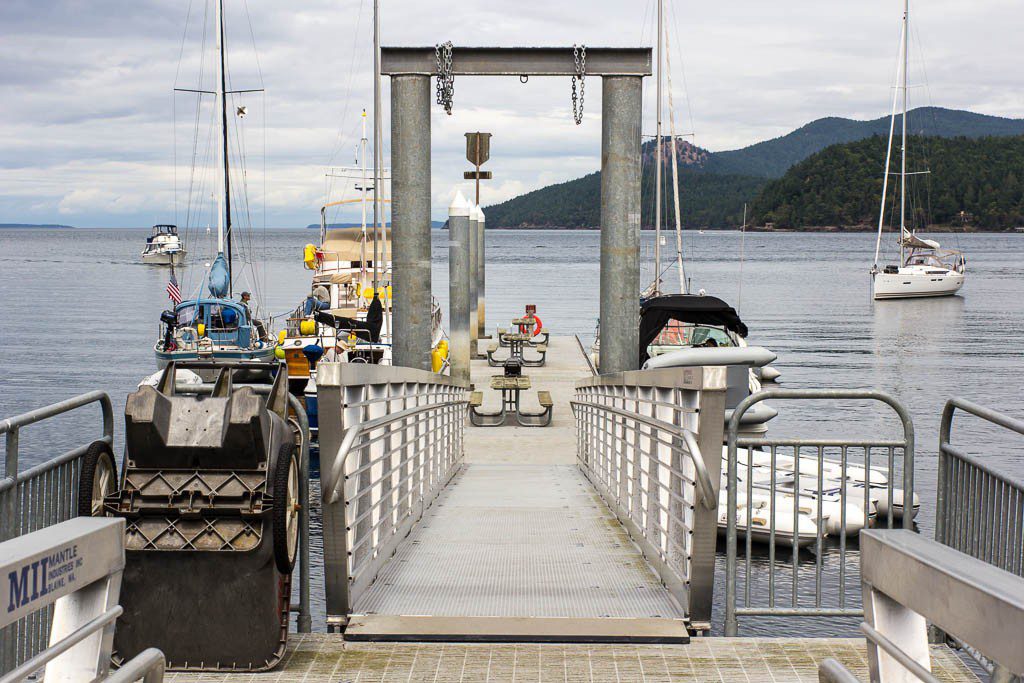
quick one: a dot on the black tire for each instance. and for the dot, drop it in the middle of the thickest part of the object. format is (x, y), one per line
(284, 557)
(97, 462)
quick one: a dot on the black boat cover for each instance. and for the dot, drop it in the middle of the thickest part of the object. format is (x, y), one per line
(371, 326)
(688, 308)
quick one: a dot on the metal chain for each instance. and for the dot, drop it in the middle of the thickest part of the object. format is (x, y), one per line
(445, 78)
(579, 53)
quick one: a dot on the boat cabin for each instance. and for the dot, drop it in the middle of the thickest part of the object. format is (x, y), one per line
(163, 230)
(671, 322)
(225, 322)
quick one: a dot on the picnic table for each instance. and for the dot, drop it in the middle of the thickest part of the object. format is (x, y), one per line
(511, 388)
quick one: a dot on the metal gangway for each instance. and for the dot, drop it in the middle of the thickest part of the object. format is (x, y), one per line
(600, 528)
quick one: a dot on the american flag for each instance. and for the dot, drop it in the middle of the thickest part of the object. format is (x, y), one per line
(172, 289)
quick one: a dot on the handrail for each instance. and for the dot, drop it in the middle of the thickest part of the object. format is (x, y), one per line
(586, 356)
(74, 638)
(61, 407)
(734, 441)
(708, 493)
(353, 432)
(148, 665)
(897, 653)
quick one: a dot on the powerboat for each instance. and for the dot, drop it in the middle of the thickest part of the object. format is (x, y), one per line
(164, 247)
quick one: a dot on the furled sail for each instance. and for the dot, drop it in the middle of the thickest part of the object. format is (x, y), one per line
(219, 278)
(911, 240)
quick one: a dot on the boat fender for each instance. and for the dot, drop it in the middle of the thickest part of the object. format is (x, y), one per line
(281, 336)
(309, 257)
(279, 353)
(201, 329)
(438, 356)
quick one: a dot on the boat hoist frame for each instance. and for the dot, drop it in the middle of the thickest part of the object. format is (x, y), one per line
(621, 71)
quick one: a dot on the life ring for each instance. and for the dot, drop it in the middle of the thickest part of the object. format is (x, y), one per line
(187, 335)
(536, 329)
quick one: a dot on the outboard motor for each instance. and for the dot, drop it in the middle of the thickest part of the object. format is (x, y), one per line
(210, 496)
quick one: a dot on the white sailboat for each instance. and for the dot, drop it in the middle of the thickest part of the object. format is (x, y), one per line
(925, 269)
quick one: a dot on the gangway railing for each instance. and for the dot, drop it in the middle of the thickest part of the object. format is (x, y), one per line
(391, 438)
(784, 494)
(38, 497)
(650, 443)
(908, 581)
(74, 569)
(980, 510)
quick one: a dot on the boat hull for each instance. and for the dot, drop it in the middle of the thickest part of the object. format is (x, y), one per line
(264, 355)
(913, 285)
(164, 259)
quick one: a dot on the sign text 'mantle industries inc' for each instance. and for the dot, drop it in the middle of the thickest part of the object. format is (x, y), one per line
(35, 579)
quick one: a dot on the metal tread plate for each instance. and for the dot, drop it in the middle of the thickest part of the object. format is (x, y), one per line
(378, 627)
(519, 541)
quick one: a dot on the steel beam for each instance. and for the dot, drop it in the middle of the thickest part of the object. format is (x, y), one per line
(410, 220)
(620, 222)
(458, 287)
(518, 61)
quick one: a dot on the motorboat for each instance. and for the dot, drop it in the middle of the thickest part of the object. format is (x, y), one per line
(164, 247)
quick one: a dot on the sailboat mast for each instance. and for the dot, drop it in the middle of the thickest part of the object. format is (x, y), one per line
(362, 191)
(218, 96)
(376, 144)
(888, 152)
(657, 164)
(224, 220)
(903, 156)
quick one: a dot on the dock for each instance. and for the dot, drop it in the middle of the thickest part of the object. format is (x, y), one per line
(521, 552)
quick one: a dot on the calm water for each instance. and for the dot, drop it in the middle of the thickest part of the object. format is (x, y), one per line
(79, 312)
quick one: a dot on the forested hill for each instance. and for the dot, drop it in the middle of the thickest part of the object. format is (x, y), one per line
(707, 200)
(842, 185)
(772, 158)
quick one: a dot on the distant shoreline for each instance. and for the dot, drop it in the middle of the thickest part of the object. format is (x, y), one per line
(762, 229)
(35, 226)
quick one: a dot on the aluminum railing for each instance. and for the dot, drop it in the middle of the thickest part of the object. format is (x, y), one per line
(649, 442)
(391, 439)
(769, 474)
(980, 511)
(38, 497)
(908, 581)
(73, 570)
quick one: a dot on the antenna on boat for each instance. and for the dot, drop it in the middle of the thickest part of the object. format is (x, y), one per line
(376, 146)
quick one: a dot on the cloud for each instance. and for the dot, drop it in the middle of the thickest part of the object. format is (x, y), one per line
(89, 112)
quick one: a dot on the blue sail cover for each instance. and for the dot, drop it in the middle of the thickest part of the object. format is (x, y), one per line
(219, 280)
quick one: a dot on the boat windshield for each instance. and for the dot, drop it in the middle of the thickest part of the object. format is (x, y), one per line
(189, 315)
(676, 334)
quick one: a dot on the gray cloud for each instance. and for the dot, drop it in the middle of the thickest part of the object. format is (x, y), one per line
(87, 123)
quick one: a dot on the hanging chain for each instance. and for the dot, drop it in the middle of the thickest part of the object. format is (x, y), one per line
(445, 78)
(579, 53)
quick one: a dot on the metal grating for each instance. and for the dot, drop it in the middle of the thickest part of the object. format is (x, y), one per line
(519, 541)
(320, 657)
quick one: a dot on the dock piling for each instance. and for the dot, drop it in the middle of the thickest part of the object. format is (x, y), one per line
(620, 223)
(474, 269)
(481, 260)
(410, 219)
(458, 286)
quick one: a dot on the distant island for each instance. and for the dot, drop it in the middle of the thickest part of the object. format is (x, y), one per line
(23, 226)
(824, 176)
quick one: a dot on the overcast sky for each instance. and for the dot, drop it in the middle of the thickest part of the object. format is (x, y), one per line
(88, 134)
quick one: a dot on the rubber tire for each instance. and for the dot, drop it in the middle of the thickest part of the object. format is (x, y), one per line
(97, 453)
(279, 512)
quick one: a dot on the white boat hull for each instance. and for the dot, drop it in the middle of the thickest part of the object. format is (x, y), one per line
(917, 282)
(164, 258)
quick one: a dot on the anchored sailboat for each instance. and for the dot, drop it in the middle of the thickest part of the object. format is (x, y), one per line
(925, 269)
(216, 327)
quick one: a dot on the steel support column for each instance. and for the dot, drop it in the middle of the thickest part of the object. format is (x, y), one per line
(474, 256)
(621, 107)
(480, 260)
(410, 219)
(458, 287)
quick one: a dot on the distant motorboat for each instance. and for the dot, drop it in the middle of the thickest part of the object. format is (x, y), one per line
(164, 247)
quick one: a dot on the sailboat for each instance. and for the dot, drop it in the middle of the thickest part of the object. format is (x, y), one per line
(214, 326)
(925, 268)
